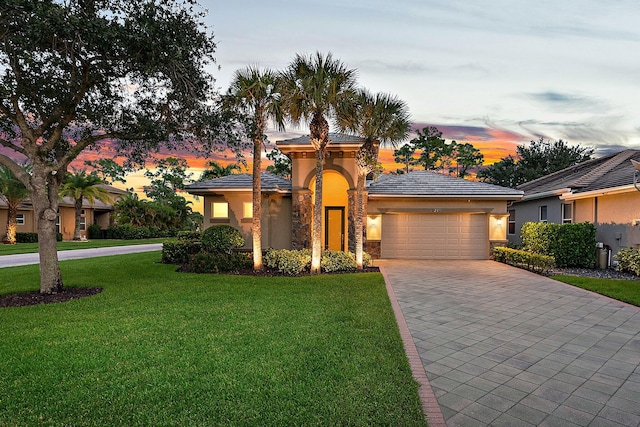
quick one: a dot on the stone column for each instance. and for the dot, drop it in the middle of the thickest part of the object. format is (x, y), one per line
(301, 217)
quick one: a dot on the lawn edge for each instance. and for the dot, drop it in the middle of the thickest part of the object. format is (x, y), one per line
(628, 304)
(430, 406)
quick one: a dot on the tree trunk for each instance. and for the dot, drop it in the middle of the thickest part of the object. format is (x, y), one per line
(44, 197)
(316, 240)
(362, 178)
(78, 212)
(256, 224)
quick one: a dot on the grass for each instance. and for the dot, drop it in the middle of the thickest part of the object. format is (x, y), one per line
(27, 248)
(622, 290)
(164, 348)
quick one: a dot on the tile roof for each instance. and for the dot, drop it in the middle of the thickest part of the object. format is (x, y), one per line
(268, 181)
(425, 183)
(611, 171)
(333, 137)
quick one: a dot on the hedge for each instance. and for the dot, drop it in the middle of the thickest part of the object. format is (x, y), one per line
(294, 262)
(130, 232)
(572, 245)
(32, 237)
(179, 251)
(524, 259)
(221, 239)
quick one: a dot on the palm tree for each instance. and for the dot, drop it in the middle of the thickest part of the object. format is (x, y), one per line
(13, 192)
(78, 185)
(215, 170)
(379, 118)
(254, 92)
(314, 87)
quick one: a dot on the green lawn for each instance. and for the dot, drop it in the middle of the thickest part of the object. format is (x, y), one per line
(623, 290)
(164, 348)
(26, 248)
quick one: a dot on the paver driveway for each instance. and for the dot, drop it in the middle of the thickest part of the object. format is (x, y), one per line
(505, 347)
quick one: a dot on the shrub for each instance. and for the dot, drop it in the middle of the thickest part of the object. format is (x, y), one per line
(289, 262)
(572, 245)
(179, 251)
(130, 232)
(26, 237)
(524, 259)
(208, 262)
(338, 261)
(189, 235)
(94, 232)
(221, 239)
(628, 260)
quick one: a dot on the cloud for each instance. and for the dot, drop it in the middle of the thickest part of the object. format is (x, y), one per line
(567, 102)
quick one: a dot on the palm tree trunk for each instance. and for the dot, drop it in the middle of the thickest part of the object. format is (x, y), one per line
(316, 240)
(12, 213)
(256, 226)
(78, 212)
(362, 178)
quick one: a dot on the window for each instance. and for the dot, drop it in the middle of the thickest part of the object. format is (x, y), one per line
(567, 213)
(19, 219)
(247, 210)
(83, 223)
(511, 222)
(542, 214)
(220, 210)
(58, 223)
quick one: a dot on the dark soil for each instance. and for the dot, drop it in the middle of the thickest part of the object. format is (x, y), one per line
(34, 298)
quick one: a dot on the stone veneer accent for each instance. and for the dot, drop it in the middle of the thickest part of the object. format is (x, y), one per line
(373, 249)
(301, 218)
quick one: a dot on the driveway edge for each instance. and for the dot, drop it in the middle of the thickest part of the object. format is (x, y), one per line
(427, 397)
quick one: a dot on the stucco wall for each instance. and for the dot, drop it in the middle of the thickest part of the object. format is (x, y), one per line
(528, 211)
(276, 217)
(376, 205)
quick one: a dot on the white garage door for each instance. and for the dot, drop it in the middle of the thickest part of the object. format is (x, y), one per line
(435, 236)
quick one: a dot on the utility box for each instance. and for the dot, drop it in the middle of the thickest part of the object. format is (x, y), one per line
(602, 258)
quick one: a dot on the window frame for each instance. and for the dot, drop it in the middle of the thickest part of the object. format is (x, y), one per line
(244, 210)
(566, 220)
(546, 213)
(21, 219)
(511, 222)
(219, 218)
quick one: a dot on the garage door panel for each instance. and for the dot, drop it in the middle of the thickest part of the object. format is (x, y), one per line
(435, 236)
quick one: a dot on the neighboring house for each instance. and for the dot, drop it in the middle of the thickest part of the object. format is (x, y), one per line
(599, 191)
(96, 213)
(421, 215)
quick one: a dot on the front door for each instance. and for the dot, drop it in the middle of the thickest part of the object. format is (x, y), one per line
(334, 228)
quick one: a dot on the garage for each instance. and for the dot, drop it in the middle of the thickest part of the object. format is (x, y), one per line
(435, 236)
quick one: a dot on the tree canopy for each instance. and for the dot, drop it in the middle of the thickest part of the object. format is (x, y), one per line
(539, 158)
(77, 74)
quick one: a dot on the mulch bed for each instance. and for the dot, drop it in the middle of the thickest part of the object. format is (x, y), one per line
(35, 297)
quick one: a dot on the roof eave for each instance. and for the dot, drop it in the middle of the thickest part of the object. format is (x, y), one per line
(545, 194)
(603, 192)
(448, 196)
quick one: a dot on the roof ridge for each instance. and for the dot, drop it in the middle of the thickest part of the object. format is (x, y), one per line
(600, 170)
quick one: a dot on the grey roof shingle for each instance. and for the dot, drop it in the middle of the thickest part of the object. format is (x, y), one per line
(611, 171)
(333, 137)
(269, 182)
(424, 183)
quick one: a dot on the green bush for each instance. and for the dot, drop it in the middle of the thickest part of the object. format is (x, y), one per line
(221, 239)
(33, 237)
(333, 261)
(130, 232)
(572, 245)
(94, 232)
(524, 259)
(628, 260)
(189, 235)
(179, 251)
(285, 261)
(219, 262)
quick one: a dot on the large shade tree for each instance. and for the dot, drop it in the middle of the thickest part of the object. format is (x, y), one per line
(79, 73)
(78, 185)
(254, 93)
(314, 88)
(13, 192)
(379, 118)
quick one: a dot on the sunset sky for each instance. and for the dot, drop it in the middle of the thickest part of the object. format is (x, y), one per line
(493, 73)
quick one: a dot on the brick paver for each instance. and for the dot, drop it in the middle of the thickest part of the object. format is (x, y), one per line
(502, 346)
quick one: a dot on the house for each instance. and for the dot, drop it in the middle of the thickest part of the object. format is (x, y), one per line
(421, 215)
(600, 191)
(92, 213)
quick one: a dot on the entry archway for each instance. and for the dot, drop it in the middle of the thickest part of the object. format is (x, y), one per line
(335, 204)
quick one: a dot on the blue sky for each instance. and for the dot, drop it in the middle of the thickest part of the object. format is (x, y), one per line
(496, 73)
